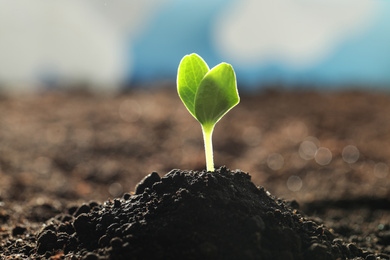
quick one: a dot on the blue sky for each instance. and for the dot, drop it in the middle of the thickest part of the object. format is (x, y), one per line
(332, 43)
(362, 58)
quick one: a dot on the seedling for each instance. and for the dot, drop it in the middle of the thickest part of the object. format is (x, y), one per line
(207, 94)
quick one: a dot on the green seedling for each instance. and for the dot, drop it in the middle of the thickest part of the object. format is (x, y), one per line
(207, 94)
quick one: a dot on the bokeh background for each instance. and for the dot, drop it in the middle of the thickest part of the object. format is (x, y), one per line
(112, 44)
(60, 135)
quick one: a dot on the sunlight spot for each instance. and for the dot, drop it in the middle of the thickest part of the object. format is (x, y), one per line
(275, 161)
(115, 189)
(294, 183)
(323, 156)
(381, 170)
(350, 154)
(307, 150)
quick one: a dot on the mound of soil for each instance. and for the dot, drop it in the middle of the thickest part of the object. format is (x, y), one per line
(189, 215)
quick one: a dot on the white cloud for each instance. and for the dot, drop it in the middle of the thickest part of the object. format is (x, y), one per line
(131, 16)
(297, 33)
(72, 40)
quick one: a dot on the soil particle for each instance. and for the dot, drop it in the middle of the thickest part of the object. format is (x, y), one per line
(47, 241)
(147, 182)
(18, 230)
(82, 209)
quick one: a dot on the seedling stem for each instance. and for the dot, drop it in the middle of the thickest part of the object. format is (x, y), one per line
(208, 146)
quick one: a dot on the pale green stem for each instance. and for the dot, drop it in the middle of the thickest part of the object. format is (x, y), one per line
(208, 146)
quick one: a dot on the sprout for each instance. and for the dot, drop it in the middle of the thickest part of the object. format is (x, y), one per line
(207, 94)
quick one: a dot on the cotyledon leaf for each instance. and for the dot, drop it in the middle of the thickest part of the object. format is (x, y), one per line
(191, 71)
(216, 94)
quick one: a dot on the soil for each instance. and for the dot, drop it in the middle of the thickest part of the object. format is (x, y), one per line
(95, 176)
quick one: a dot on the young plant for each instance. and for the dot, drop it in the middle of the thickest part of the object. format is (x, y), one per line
(207, 94)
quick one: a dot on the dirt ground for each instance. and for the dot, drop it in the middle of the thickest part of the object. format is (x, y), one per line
(328, 151)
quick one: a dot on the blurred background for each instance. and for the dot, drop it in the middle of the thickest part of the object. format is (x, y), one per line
(112, 44)
(294, 137)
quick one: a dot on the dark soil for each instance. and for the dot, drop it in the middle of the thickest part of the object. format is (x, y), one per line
(69, 161)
